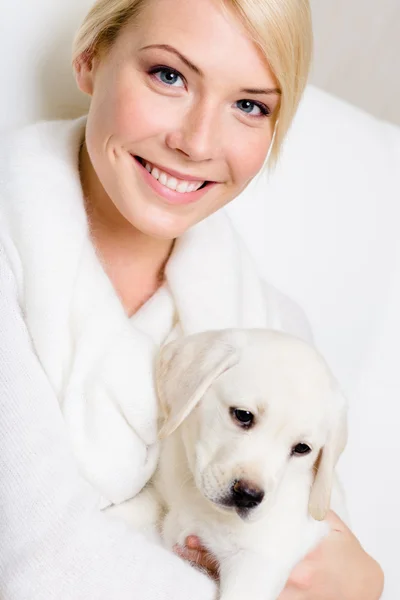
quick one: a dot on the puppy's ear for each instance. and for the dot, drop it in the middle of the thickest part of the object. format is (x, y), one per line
(185, 370)
(320, 495)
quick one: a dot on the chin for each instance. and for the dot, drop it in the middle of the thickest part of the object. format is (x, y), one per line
(162, 226)
(156, 218)
(166, 232)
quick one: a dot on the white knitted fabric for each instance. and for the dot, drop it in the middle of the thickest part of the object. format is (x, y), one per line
(77, 404)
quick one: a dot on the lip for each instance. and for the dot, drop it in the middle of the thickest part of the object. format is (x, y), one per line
(171, 196)
(175, 174)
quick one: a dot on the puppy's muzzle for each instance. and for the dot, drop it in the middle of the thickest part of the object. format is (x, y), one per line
(245, 495)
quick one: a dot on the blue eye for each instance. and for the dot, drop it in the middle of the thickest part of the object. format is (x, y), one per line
(167, 76)
(248, 106)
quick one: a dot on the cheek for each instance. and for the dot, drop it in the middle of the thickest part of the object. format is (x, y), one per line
(299, 469)
(136, 116)
(124, 107)
(248, 157)
(139, 113)
(213, 438)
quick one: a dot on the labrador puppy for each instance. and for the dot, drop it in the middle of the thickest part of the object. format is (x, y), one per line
(253, 425)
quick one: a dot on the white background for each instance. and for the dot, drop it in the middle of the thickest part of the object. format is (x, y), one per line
(357, 49)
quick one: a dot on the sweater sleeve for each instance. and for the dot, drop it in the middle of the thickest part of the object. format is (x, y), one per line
(55, 543)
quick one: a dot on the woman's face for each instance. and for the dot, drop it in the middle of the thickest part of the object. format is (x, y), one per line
(180, 115)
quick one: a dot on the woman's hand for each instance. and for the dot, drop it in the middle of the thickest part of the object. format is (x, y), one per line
(195, 553)
(338, 569)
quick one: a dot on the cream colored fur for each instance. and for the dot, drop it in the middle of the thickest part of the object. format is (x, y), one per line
(289, 389)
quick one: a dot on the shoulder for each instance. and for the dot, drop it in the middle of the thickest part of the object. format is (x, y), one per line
(41, 135)
(39, 184)
(29, 154)
(288, 315)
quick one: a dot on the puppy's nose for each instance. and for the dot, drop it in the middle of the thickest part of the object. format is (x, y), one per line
(246, 495)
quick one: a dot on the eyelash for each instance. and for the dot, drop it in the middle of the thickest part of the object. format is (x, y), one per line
(159, 68)
(264, 110)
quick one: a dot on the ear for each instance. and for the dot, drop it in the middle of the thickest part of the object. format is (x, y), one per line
(186, 369)
(84, 67)
(320, 496)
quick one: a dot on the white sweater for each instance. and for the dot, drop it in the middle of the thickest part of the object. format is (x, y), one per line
(77, 404)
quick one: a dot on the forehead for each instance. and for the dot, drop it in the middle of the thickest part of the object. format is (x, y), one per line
(207, 33)
(280, 381)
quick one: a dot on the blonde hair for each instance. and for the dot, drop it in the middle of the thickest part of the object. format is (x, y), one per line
(281, 29)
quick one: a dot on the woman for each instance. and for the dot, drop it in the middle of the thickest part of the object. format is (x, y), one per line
(111, 243)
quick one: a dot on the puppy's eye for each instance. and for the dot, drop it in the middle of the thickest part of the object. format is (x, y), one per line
(243, 417)
(300, 450)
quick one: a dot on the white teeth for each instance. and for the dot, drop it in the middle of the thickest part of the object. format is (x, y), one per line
(172, 183)
(163, 178)
(183, 187)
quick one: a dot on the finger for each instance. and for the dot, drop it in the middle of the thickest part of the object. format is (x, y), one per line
(201, 558)
(193, 542)
(302, 576)
(211, 563)
(291, 593)
(188, 554)
(204, 557)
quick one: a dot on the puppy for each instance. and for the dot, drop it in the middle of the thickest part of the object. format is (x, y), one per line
(253, 425)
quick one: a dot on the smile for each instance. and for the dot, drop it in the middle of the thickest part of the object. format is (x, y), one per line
(171, 186)
(180, 185)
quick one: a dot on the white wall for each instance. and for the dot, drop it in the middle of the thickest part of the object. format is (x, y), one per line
(35, 48)
(357, 50)
(356, 56)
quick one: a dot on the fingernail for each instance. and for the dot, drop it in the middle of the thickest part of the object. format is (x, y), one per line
(192, 542)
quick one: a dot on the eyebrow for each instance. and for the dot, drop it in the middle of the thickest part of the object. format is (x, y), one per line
(198, 71)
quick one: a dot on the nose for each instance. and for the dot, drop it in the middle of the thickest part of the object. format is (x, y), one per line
(246, 495)
(198, 135)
